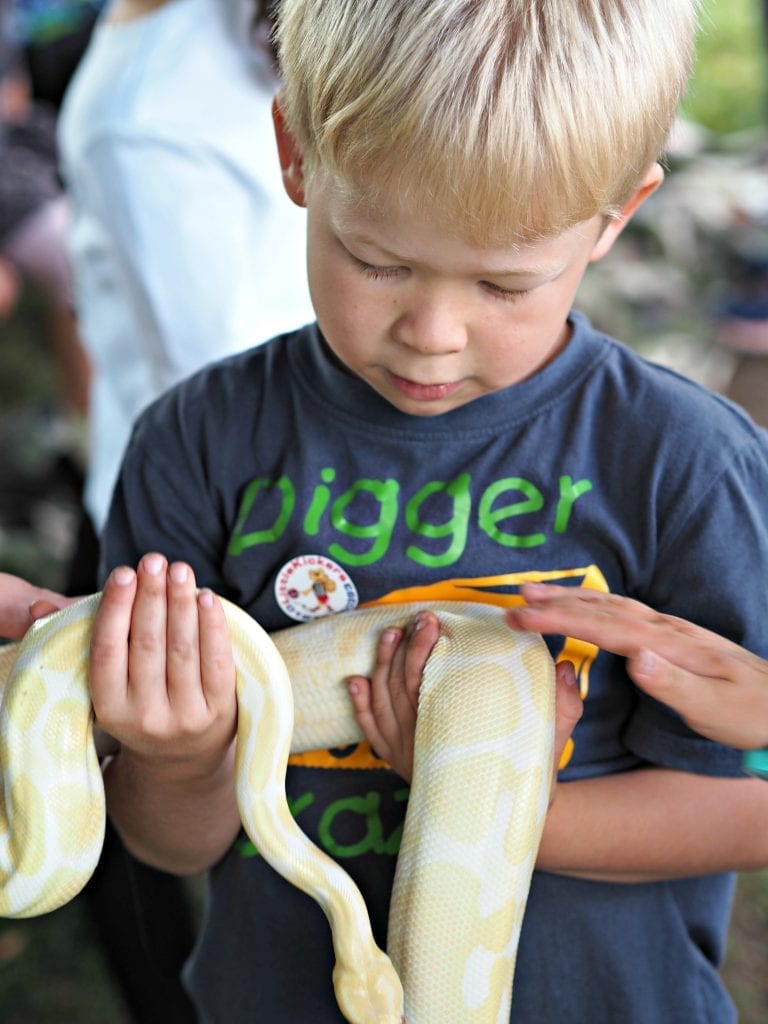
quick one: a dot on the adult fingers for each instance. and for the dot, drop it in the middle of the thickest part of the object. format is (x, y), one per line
(620, 625)
(41, 608)
(732, 709)
(21, 604)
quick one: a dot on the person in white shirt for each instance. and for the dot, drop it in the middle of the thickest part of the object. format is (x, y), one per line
(184, 245)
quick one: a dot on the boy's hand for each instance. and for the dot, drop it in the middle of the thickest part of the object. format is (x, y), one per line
(568, 710)
(385, 705)
(21, 604)
(720, 689)
(162, 676)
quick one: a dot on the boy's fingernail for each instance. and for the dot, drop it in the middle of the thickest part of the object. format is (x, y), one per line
(205, 597)
(569, 673)
(178, 572)
(391, 636)
(123, 575)
(153, 564)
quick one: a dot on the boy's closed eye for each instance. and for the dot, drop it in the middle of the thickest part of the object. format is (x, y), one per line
(505, 294)
(378, 273)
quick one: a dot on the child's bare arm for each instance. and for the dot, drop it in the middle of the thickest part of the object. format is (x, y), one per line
(720, 689)
(163, 685)
(654, 824)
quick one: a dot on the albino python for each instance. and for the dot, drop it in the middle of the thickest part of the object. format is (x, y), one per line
(479, 794)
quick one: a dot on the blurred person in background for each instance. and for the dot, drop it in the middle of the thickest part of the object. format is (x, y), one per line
(34, 211)
(184, 248)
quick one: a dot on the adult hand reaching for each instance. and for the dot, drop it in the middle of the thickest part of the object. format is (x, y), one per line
(719, 688)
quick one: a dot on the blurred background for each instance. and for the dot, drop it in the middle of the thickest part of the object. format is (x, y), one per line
(687, 284)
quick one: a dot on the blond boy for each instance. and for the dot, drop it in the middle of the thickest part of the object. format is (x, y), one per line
(449, 417)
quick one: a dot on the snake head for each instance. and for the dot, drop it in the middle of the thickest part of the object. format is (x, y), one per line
(370, 996)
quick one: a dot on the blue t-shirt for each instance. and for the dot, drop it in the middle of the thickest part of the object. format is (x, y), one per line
(295, 490)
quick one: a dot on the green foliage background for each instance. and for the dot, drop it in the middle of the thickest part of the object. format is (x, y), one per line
(729, 88)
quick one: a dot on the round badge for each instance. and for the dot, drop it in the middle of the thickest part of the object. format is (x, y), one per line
(311, 586)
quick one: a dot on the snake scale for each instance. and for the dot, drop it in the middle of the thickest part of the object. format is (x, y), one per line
(479, 794)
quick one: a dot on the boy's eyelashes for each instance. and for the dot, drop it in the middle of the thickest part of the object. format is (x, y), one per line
(378, 273)
(505, 294)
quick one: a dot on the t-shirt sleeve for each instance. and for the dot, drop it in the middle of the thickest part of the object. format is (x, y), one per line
(165, 498)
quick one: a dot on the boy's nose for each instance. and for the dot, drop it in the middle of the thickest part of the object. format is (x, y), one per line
(431, 328)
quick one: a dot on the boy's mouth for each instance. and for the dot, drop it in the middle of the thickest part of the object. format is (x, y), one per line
(424, 392)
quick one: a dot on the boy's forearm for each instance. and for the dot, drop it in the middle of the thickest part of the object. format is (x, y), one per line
(179, 824)
(654, 824)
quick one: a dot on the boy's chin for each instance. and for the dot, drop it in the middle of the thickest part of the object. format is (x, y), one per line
(426, 409)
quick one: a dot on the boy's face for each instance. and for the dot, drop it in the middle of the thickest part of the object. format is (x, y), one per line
(429, 320)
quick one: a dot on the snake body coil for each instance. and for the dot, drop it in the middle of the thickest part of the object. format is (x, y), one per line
(479, 795)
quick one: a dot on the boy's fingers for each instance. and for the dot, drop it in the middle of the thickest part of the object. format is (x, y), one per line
(421, 642)
(108, 658)
(182, 664)
(360, 693)
(386, 681)
(568, 706)
(146, 653)
(216, 663)
(374, 700)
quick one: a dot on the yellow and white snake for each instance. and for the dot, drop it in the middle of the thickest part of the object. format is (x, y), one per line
(479, 794)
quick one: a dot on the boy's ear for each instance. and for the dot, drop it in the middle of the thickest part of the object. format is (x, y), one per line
(616, 225)
(291, 160)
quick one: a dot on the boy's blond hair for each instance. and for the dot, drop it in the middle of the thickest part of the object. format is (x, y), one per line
(515, 118)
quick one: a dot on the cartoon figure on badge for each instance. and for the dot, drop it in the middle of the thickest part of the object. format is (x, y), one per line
(322, 587)
(313, 586)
